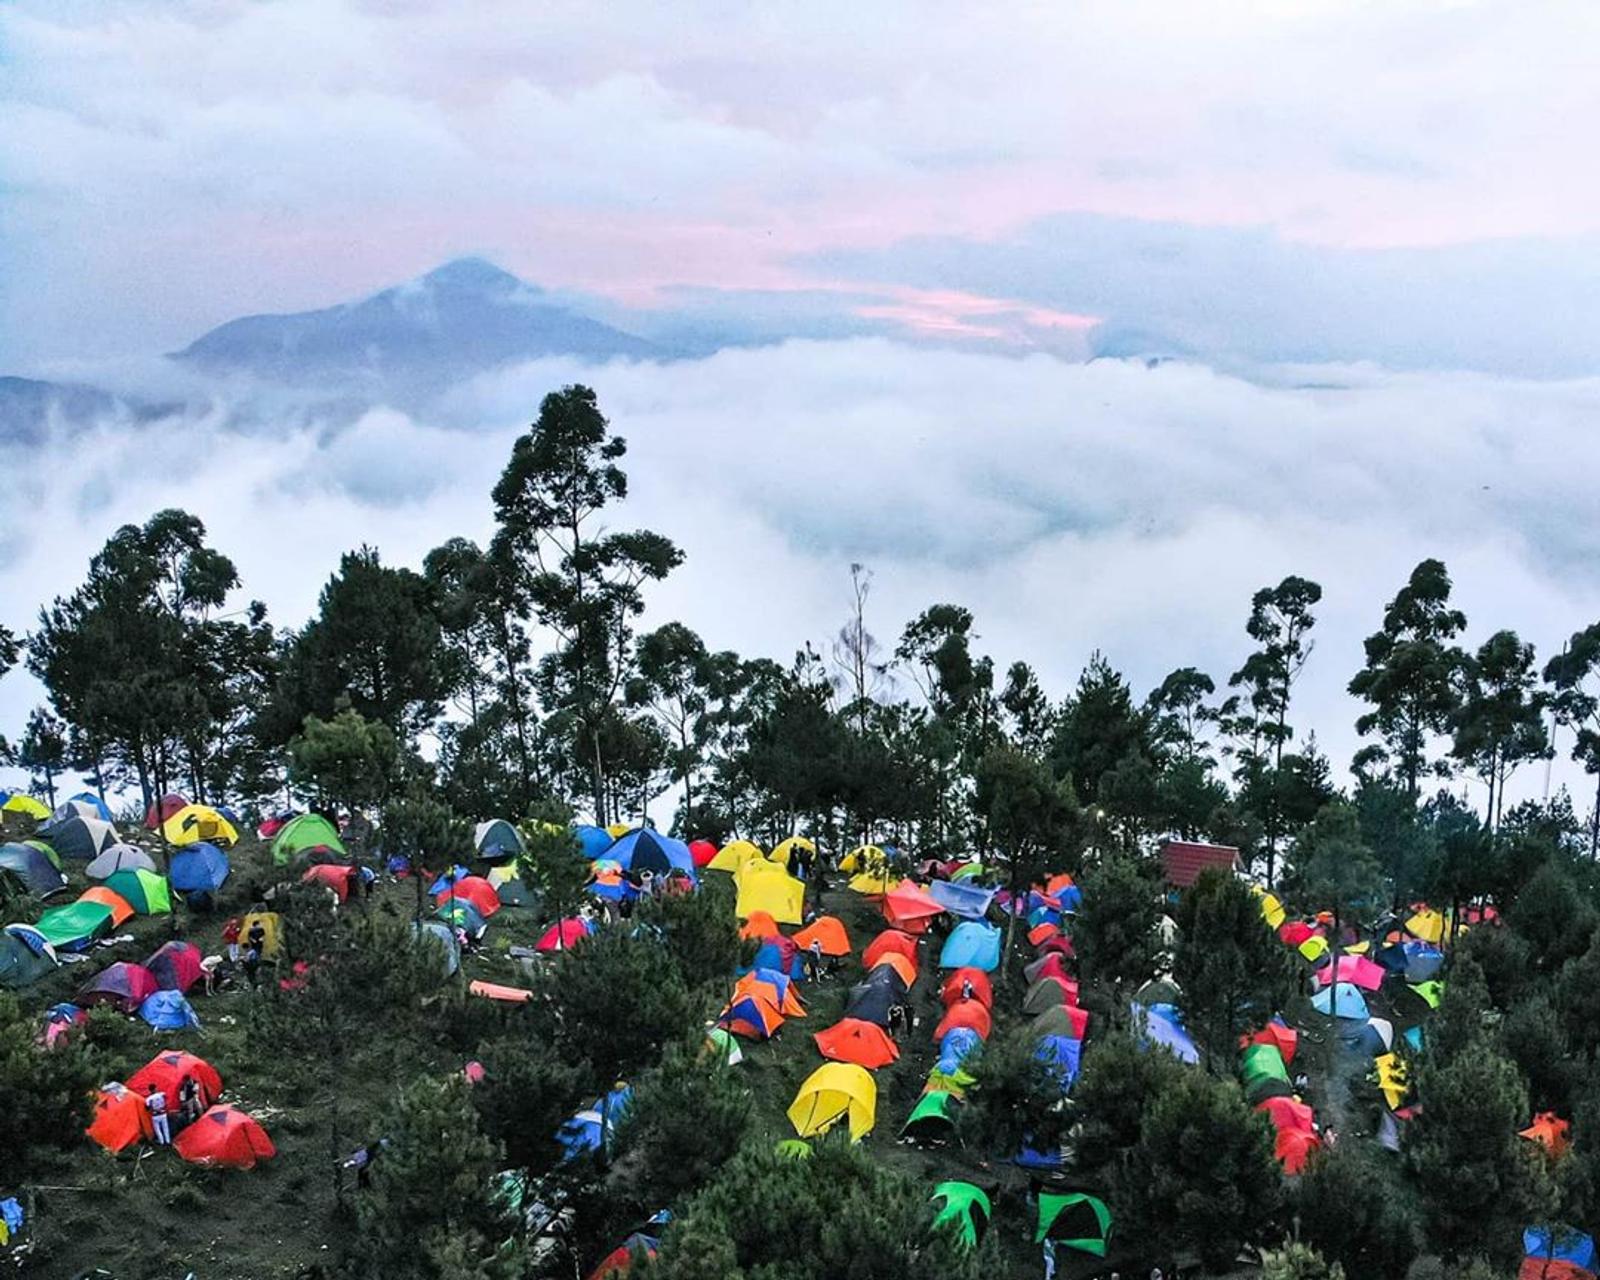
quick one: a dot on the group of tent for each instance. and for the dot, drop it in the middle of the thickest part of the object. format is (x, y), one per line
(222, 1135)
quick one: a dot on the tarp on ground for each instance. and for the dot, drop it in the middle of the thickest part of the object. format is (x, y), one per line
(835, 1091)
(302, 835)
(969, 901)
(971, 945)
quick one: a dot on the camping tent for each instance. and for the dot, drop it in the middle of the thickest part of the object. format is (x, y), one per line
(872, 999)
(119, 857)
(1047, 993)
(74, 926)
(835, 1091)
(829, 931)
(721, 1045)
(197, 822)
(563, 935)
(766, 886)
(897, 964)
(25, 956)
(592, 840)
(1356, 970)
(169, 804)
(964, 979)
(33, 867)
(964, 1013)
(91, 806)
(966, 1208)
(1262, 1069)
(954, 1049)
(166, 1072)
(1076, 1220)
(647, 850)
(751, 1015)
(1162, 1024)
(856, 1040)
(909, 906)
(932, 1119)
(1343, 998)
(971, 944)
(168, 1011)
(78, 838)
(271, 929)
(783, 852)
(703, 852)
(332, 875)
(176, 966)
(734, 855)
(471, 889)
(123, 985)
(120, 1120)
(121, 909)
(437, 934)
(889, 940)
(302, 835)
(144, 891)
(1062, 1057)
(199, 868)
(17, 802)
(497, 840)
(585, 1131)
(224, 1136)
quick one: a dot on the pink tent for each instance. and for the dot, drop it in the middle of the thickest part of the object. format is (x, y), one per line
(1364, 973)
(560, 937)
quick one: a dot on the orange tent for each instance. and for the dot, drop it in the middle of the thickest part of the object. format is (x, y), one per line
(910, 906)
(856, 1040)
(474, 889)
(889, 940)
(786, 1002)
(981, 990)
(829, 931)
(227, 1137)
(1056, 883)
(1293, 1147)
(963, 1013)
(166, 1071)
(907, 969)
(759, 925)
(752, 1016)
(120, 1120)
(120, 909)
(1042, 933)
(1549, 1130)
(331, 874)
(494, 991)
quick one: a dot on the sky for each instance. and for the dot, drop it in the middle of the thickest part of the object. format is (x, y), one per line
(1364, 235)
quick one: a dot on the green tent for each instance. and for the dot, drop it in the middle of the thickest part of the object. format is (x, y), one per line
(144, 891)
(1432, 992)
(966, 1206)
(1076, 1220)
(301, 835)
(1264, 1074)
(725, 1047)
(74, 926)
(794, 1149)
(932, 1119)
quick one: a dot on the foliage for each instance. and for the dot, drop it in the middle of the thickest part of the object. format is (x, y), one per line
(1231, 968)
(1202, 1175)
(429, 1213)
(1014, 1101)
(43, 751)
(348, 760)
(45, 1097)
(698, 930)
(1553, 917)
(839, 1213)
(1119, 1080)
(1356, 1211)
(1574, 676)
(689, 1117)
(1298, 1262)
(1116, 931)
(1500, 723)
(526, 1094)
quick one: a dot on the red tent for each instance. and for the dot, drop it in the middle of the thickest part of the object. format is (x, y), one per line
(339, 879)
(702, 851)
(981, 990)
(1286, 1113)
(166, 1071)
(1294, 932)
(910, 906)
(176, 966)
(1293, 1147)
(124, 985)
(963, 1013)
(563, 936)
(1283, 1039)
(226, 1137)
(889, 940)
(474, 889)
(856, 1040)
(120, 1120)
(163, 809)
(1050, 966)
(1536, 1268)
(1059, 943)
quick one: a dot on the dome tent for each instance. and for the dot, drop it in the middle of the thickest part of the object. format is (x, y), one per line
(302, 835)
(199, 868)
(78, 838)
(227, 1137)
(118, 857)
(33, 867)
(835, 1091)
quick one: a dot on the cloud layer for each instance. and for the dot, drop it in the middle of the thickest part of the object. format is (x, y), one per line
(1073, 507)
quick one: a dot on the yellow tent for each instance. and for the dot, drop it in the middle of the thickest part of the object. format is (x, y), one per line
(505, 871)
(1394, 1079)
(1428, 925)
(1271, 910)
(270, 927)
(618, 829)
(832, 1092)
(25, 804)
(785, 851)
(873, 884)
(734, 855)
(1314, 948)
(864, 857)
(765, 886)
(196, 822)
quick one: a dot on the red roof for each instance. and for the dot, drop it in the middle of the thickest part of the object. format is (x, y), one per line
(1184, 860)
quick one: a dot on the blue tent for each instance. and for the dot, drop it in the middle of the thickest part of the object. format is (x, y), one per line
(647, 850)
(1563, 1244)
(168, 1011)
(1063, 1056)
(594, 841)
(621, 891)
(1423, 961)
(971, 945)
(32, 866)
(582, 1134)
(1345, 997)
(769, 955)
(1162, 1024)
(95, 803)
(1071, 898)
(200, 868)
(962, 898)
(957, 1044)
(460, 912)
(457, 872)
(1047, 1161)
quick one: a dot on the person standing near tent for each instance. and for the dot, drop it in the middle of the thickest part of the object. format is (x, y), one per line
(230, 935)
(156, 1103)
(813, 960)
(1049, 1259)
(255, 941)
(189, 1102)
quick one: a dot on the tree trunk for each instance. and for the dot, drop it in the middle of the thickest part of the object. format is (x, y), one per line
(1594, 821)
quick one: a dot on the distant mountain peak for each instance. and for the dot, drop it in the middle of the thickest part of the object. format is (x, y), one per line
(474, 274)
